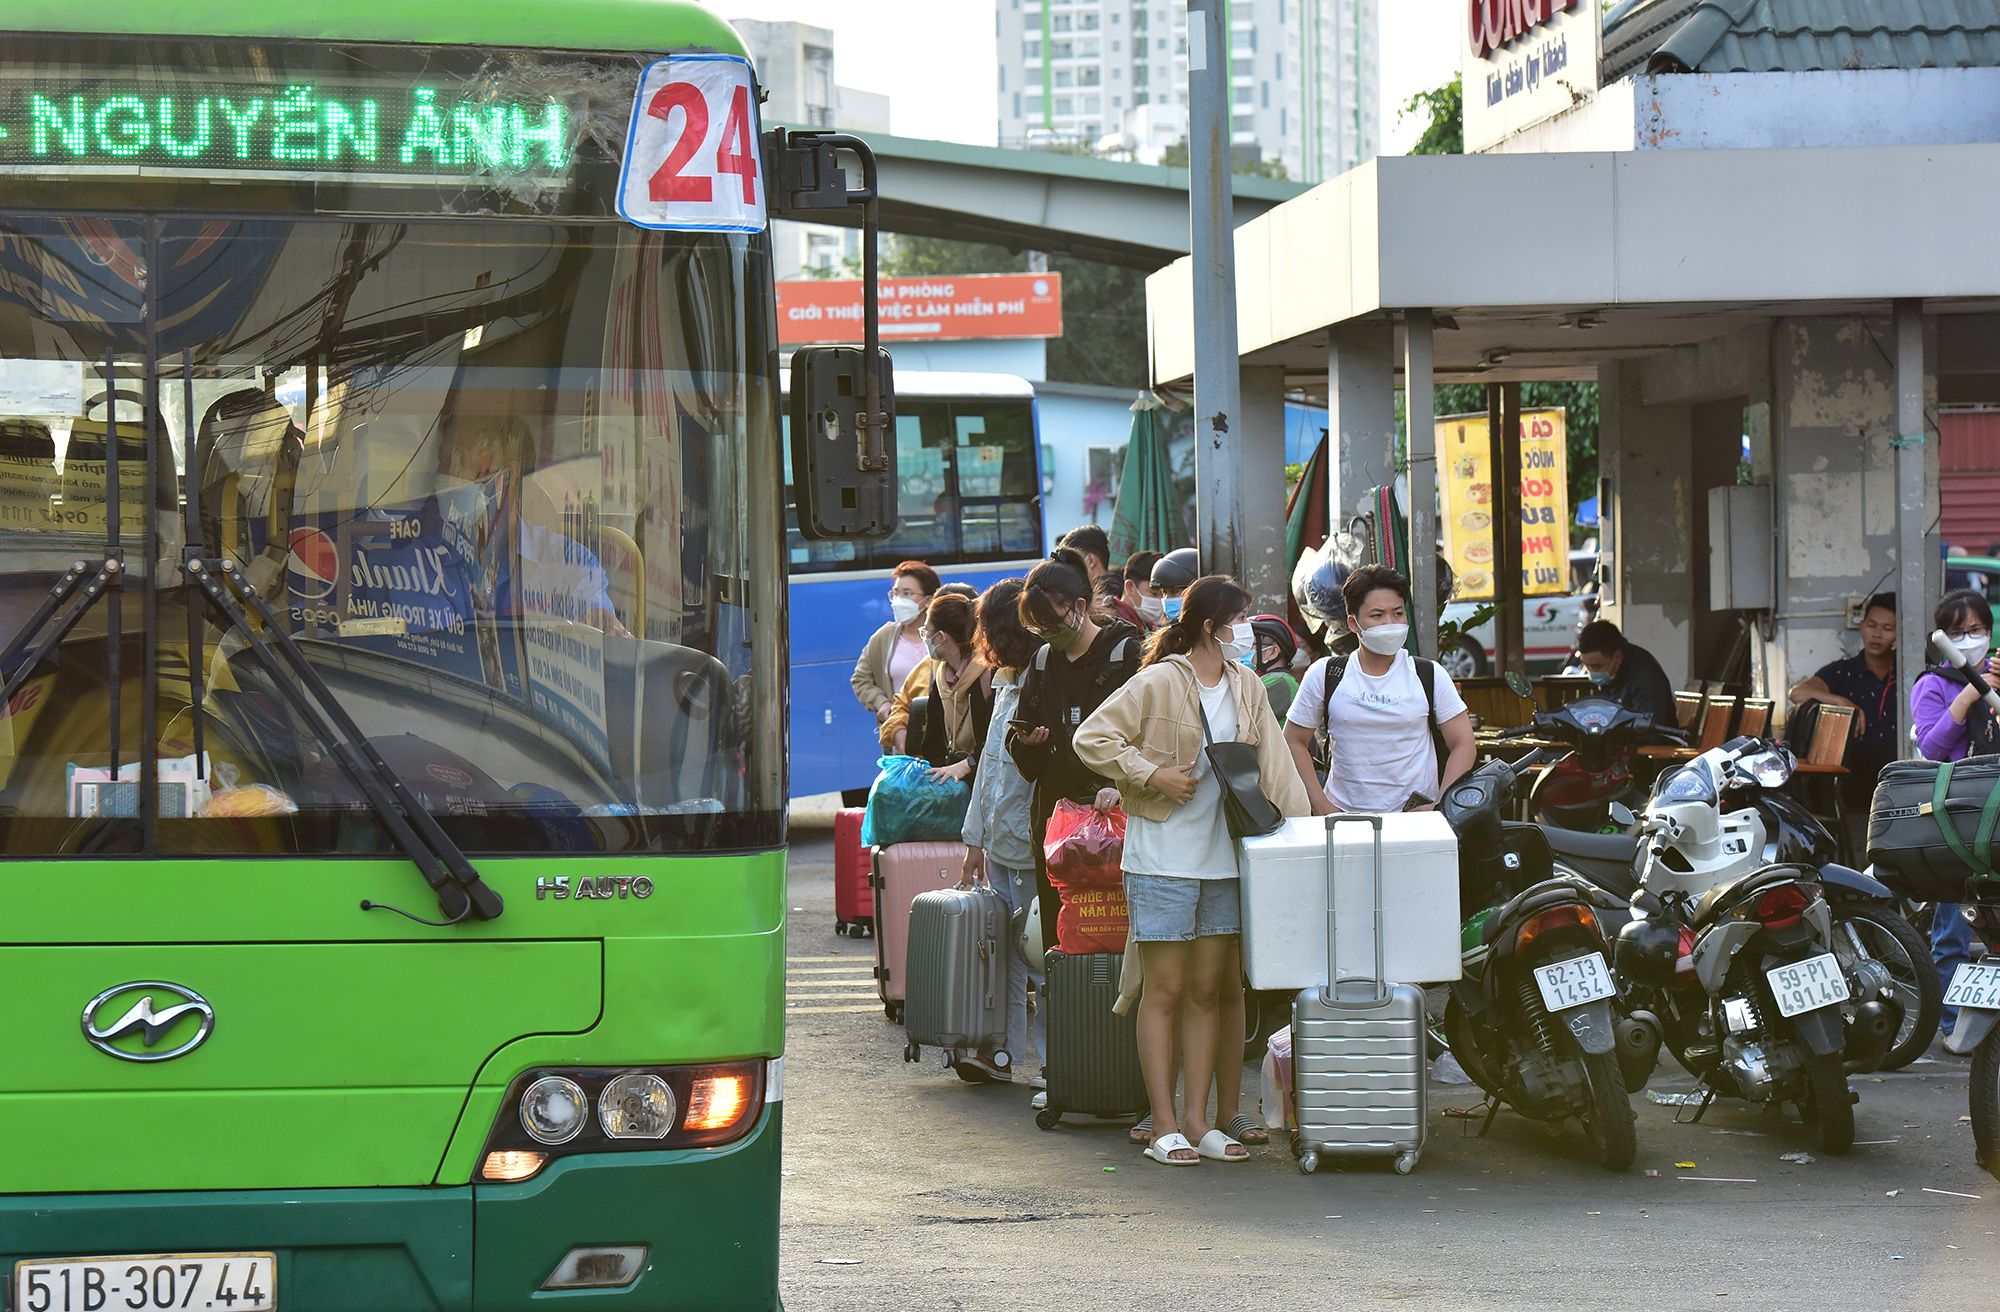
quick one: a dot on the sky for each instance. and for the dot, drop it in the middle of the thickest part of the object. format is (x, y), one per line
(935, 58)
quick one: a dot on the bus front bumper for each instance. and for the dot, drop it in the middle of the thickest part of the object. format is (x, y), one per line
(709, 1218)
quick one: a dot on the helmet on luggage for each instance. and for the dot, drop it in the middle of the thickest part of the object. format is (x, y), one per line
(1027, 927)
(1647, 951)
(1316, 587)
(1177, 570)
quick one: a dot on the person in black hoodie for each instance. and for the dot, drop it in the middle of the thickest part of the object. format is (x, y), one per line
(1090, 654)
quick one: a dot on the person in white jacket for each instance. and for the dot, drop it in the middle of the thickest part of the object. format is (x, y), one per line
(999, 848)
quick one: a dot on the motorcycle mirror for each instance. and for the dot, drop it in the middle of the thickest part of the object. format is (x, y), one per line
(1517, 683)
(1622, 814)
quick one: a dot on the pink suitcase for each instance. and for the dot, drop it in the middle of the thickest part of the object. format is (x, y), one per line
(853, 896)
(902, 872)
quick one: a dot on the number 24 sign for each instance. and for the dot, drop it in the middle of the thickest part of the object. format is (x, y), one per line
(691, 155)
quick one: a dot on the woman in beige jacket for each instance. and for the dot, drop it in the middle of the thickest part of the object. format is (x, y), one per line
(1180, 862)
(959, 688)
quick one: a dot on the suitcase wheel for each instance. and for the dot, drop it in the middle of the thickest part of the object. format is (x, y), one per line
(949, 1057)
(1308, 1162)
(1405, 1163)
(1047, 1119)
(840, 928)
(911, 1052)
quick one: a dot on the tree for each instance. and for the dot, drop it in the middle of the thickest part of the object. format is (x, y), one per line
(1444, 107)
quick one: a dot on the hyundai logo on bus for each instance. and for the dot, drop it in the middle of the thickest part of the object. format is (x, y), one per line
(139, 1017)
(597, 886)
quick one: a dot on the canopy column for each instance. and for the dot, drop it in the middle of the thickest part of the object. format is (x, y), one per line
(1361, 404)
(1261, 480)
(1420, 414)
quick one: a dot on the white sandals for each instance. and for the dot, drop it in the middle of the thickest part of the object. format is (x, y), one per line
(1215, 1146)
(1160, 1150)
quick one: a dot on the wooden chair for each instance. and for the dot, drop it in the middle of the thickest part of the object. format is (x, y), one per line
(1489, 698)
(1716, 712)
(1687, 709)
(1755, 721)
(1558, 690)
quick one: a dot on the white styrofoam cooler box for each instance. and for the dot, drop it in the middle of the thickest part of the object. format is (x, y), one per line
(1284, 901)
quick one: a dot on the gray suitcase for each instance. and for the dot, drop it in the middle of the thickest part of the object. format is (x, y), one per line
(955, 990)
(1358, 1053)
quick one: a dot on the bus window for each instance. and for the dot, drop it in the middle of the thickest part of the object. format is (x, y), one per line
(997, 480)
(496, 482)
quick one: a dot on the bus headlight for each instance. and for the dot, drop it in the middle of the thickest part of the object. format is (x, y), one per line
(553, 1109)
(636, 1106)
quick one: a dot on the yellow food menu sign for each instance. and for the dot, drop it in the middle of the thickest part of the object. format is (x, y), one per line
(1470, 508)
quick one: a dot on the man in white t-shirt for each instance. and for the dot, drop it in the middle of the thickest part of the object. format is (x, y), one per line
(1378, 717)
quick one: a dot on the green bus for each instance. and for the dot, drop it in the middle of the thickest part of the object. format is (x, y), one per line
(392, 747)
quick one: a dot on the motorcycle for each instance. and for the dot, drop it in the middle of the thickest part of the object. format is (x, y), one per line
(1759, 825)
(1975, 991)
(1736, 957)
(1535, 1019)
(1577, 792)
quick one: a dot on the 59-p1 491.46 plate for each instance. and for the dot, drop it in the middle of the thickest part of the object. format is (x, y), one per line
(1567, 984)
(232, 1282)
(1808, 985)
(1976, 986)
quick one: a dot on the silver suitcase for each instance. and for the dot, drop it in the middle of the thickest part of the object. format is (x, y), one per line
(1358, 1052)
(955, 990)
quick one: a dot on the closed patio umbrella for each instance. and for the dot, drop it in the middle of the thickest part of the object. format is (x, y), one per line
(1146, 518)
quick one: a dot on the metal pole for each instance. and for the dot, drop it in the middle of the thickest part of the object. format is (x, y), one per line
(1418, 409)
(1218, 410)
(1913, 599)
(1510, 647)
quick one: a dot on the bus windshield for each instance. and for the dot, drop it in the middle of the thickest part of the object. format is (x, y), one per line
(505, 483)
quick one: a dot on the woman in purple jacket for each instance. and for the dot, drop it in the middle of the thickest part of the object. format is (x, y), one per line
(1952, 722)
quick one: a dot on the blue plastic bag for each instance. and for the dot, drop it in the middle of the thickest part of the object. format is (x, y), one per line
(907, 806)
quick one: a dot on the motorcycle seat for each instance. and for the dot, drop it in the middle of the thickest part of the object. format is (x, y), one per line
(1728, 895)
(1620, 848)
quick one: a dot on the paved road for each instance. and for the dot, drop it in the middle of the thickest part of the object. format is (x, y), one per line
(909, 1189)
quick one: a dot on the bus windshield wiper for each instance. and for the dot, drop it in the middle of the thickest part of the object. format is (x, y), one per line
(460, 891)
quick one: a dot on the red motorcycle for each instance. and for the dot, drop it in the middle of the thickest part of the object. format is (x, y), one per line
(1577, 791)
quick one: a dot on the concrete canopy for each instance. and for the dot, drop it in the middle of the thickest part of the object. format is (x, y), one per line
(1549, 265)
(1134, 215)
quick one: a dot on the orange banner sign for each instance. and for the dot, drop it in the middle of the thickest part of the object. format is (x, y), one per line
(950, 307)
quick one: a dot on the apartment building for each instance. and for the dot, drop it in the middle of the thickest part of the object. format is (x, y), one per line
(1112, 74)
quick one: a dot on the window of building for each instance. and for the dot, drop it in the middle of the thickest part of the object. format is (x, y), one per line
(1280, 74)
(1138, 20)
(1117, 102)
(1086, 48)
(1088, 76)
(1266, 94)
(1141, 98)
(1242, 67)
(1237, 95)
(1092, 105)
(1003, 77)
(1031, 51)
(1284, 122)
(1065, 105)
(1139, 72)
(1060, 23)
(1059, 49)
(1065, 78)
(1117, 46)
(1086, 22)
(1117, 74)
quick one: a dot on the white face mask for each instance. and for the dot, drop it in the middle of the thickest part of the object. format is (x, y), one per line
(1385, 639)
(1974, 646)
(1239, 644)
(904, 609)
(1153, 609)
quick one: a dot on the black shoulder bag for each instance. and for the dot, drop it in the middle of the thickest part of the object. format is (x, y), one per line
(1247, 811)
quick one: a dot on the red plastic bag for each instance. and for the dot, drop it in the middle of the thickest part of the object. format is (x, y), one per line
(1085, 848)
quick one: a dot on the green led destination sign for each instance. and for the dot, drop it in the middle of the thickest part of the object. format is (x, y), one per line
(405, 133)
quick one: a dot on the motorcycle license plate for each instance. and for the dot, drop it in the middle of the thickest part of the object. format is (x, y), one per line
(1808, 985)
(239, 1282)
(1975, 986)
(1567, 984)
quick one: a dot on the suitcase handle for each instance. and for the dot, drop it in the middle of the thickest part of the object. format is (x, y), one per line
(1332, 976)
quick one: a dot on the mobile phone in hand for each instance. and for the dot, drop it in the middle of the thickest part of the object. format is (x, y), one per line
(1418, 802)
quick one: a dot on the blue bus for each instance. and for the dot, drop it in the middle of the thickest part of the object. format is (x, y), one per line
(968, 465)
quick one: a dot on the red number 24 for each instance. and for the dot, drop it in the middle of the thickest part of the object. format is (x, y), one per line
(735, 154)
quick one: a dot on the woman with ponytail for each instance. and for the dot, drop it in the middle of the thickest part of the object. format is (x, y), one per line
(1089, 655)
(1180, 861)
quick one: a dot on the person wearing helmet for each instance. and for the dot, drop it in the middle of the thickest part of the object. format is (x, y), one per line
(1173, 574)
(1277, 647)
(1140, 602)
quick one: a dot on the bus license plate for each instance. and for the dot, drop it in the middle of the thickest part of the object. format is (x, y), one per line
(1975, 986)
(1567, 984)
(236, 1282)
(1808, 985)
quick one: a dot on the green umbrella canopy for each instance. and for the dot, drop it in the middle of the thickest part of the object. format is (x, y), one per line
(1146, 518)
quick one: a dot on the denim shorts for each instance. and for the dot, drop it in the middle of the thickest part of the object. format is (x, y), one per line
(1171, 909)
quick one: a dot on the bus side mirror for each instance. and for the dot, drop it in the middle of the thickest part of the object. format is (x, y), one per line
(843, 460)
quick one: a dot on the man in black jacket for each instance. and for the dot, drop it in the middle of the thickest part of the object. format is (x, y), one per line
(1626, 673)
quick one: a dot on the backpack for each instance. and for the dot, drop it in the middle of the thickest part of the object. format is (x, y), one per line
(1123, 662)
(1336, 670)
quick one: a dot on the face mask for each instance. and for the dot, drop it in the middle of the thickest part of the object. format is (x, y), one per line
(1062, 639)
(1973, 646)
(1170, 609)
(1238, 646)
(1153, 609)
(1385, 639)
(1599, 677)
(931, 647)
(904, 609)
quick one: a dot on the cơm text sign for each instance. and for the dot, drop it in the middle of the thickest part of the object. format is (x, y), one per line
(1524, 61)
